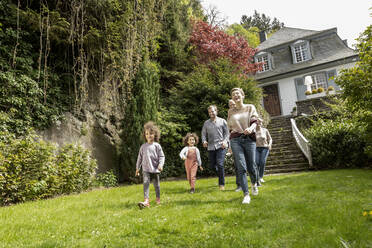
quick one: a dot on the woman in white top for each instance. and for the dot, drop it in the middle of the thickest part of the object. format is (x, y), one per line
(242, 123)
(263, 145)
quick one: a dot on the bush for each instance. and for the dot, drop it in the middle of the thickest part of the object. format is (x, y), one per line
(107, 179)
(32, 169)
(337, 144)
(320, 90)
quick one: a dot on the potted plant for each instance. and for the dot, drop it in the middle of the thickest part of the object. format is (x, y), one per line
(308, 92)
(320, 90)
(331, 90)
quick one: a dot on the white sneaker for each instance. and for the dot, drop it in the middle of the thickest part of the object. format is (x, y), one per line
(261, 180)
(246, 199)
(254, 190)
(238, 189)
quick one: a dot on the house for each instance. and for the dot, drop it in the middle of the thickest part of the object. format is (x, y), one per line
(289, 56)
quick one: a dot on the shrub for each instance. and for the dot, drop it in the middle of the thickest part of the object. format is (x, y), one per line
(314, 91)
(308, 92)
(32, 169)
(320, 90)
(107, 179)
(337, 143)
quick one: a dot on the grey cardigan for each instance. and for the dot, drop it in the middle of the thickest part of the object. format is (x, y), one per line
(185, 150)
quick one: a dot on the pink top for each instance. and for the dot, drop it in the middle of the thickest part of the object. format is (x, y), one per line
(240, 119)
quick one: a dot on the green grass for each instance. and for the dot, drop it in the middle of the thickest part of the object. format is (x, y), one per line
(313, 209)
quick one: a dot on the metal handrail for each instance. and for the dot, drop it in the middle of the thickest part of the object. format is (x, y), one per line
(302, 142)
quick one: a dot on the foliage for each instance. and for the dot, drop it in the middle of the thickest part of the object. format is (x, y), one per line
(320, 90)
(250, 35)
(32, 169)
(173, 55)
(173, 126)
(314, 91)
(107, 179)
(212, 43)
(338, 138)
(262, 22)
(209, 218)
(208, 85)
(308, 92)
(142, 107)
(356, 83)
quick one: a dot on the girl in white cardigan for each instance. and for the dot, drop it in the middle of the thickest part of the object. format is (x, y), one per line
(190, 153)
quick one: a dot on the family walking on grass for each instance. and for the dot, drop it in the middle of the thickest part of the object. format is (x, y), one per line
(243, 133)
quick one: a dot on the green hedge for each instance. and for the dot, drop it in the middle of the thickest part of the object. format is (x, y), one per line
(337, 144)
(32, 169)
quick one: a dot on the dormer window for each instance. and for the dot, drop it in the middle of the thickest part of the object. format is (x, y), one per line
(300, 51)
(265, 59)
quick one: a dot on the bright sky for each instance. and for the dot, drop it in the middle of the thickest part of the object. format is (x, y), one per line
(349, 17)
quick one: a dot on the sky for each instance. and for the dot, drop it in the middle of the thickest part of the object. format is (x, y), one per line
(350, 18)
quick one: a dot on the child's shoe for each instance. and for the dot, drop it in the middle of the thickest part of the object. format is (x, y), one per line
(261, 180)
(158, 201)
(222, 188)
(192, 191)
(144, 204)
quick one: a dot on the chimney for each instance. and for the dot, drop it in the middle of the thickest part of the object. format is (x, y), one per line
(262, 36)
(345, 42)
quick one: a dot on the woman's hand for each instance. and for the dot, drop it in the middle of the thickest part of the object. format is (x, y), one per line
(201, 168)
(137, 173)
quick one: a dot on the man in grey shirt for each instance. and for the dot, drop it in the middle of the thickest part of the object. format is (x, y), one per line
(215, 136)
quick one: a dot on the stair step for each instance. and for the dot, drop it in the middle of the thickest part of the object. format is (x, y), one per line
(285, 156)
(289, 164)
(284, 170)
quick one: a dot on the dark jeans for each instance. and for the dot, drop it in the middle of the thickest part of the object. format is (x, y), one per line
(216, 160)
(261, 156)
(244, 150)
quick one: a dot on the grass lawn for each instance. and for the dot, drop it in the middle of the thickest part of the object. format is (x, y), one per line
(312, 209)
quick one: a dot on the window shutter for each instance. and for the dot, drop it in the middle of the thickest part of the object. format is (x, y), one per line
(331, 82)
(293, 54)
(300, 89)
(308, 50)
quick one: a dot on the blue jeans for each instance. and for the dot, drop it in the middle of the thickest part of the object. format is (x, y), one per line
(216, 160)
(244, 150)
(261, 155)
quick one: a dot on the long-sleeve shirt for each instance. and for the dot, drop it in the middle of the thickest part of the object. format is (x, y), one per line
(185, 150)
(150, 158)
(241, 119)
(215, 133)
(263, 138)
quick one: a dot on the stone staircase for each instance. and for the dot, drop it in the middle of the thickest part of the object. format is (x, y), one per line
(284, 156)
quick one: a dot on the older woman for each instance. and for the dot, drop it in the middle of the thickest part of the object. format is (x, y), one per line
(242, 123)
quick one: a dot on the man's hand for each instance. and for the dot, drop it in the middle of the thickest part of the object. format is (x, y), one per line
(201, 168)
(137, 173)
(160, 168)
(248, 131)
(205, 144)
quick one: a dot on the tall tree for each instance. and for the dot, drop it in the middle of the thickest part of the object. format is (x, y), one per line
(262, 22)
(214, 17)
(251, 35)
(356, 84)
(212, 43)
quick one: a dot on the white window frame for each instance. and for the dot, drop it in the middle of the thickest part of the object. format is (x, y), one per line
(300, 51)
(319, 81)
(264, 57)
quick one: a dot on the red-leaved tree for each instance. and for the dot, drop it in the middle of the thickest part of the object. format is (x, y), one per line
(212, 43)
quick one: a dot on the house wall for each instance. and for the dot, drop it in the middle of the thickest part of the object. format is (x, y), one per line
(287, 88)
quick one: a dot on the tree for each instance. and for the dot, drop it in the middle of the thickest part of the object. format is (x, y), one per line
(251, 35)
(214, 17)
(356, 83)
(212, 43)
(262, 22)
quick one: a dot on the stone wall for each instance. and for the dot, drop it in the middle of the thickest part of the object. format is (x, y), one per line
(95, 133)
(310, 106)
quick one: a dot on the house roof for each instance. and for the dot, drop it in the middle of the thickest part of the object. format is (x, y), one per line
(285, 35)
(326, 45)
